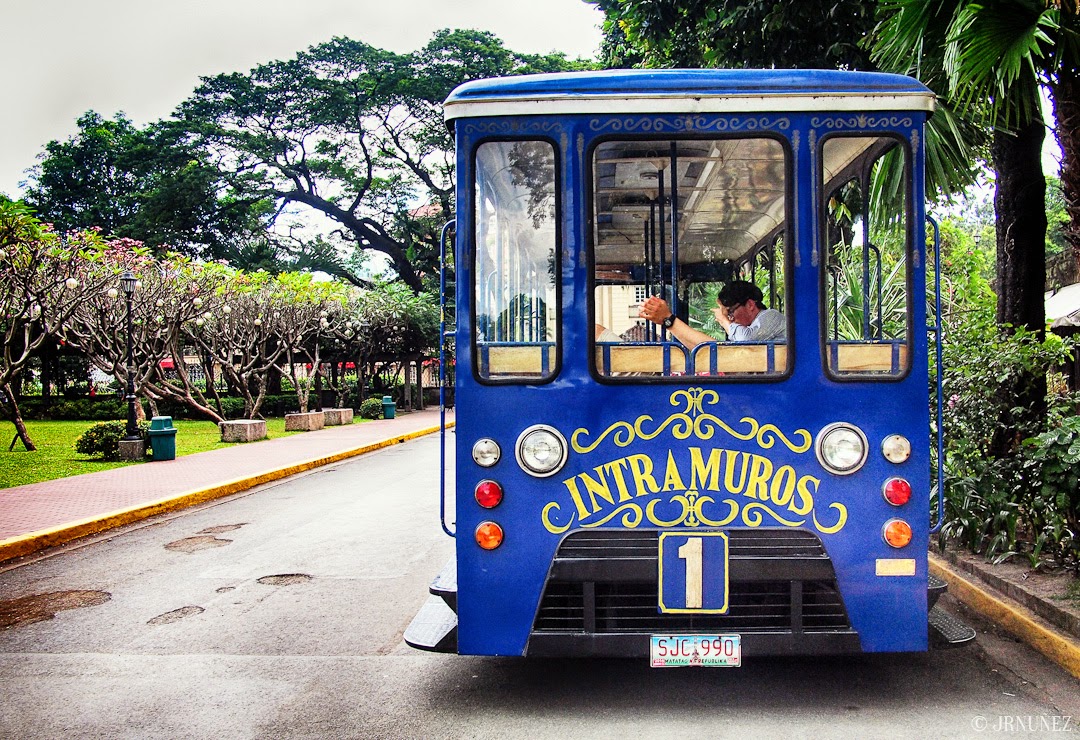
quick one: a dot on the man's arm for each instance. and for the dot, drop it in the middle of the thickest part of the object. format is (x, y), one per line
(656, 310)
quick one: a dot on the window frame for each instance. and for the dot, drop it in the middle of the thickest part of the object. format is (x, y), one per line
(823, 268)
(473, 253)
(789, 232)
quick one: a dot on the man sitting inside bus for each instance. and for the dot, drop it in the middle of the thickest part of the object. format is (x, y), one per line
(741, 313)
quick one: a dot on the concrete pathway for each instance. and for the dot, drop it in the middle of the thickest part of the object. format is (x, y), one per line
(41, 515)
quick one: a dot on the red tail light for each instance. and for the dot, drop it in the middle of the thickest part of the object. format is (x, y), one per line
(897, 491)
(489, 494)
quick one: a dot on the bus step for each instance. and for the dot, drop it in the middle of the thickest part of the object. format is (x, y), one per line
(934, 589)
(947, 631)
(433, 628)
(445, 584)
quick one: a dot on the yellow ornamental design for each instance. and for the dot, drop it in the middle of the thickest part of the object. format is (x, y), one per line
(691, 421)
(715, 487)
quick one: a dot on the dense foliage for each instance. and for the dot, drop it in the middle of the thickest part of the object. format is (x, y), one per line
(1008, 484)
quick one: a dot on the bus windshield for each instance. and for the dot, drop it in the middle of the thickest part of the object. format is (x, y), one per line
(680, 219)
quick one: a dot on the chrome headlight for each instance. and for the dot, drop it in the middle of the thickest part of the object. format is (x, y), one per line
(541, 451)
(841, 448)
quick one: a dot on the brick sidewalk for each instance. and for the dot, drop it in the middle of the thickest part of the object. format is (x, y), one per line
(85, 502)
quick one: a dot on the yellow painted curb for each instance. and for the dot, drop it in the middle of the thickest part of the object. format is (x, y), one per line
(1012, 617)
(25, 544)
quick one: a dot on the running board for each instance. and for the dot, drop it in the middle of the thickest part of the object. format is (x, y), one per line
(935, 587)
(433, 628)
(445, 584)
(946, 631)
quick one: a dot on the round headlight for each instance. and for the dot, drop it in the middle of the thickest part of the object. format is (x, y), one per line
(841, 448)
(541, 451)
(896, 448)
(486, 452)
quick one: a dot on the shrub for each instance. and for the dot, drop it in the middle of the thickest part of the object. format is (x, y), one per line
(103, 439)
(1004, 495)
(371, 409)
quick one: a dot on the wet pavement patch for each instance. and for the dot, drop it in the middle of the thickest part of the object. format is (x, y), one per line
(176, 615)
(221, 528)
(201, 542)
(42, 607)
(284, 579)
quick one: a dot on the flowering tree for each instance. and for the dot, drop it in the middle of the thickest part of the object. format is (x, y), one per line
(302, 312)
(44, 279)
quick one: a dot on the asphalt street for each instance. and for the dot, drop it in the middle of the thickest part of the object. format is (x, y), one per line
(278, 613)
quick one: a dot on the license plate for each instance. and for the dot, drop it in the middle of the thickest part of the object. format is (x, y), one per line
(676, 651)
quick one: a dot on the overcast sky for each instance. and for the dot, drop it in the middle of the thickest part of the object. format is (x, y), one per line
(143, 57)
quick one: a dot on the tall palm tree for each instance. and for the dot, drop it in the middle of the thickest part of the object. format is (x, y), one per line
(987, 58)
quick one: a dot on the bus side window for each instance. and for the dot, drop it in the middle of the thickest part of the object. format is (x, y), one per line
(867, 327)
(514, 275)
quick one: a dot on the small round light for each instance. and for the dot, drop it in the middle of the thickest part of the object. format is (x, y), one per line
(841, 448)
(486, 452)
(488, 493)
(489, 535)
(897, 533)
(896, 448)
(897, 491)
(541, 451)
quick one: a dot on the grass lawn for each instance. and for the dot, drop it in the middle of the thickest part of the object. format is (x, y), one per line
(56, 457)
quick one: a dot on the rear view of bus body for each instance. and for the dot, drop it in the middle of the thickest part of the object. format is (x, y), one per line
(690, 504)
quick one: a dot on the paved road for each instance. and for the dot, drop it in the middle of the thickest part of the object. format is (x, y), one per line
(278, 613)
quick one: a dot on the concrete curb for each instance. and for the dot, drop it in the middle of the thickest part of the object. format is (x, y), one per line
(26, 544)
(1017, 620)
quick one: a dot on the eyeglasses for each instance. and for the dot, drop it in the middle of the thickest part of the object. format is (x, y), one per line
(730, 310)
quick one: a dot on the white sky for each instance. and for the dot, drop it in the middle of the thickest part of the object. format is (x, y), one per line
(143, 57)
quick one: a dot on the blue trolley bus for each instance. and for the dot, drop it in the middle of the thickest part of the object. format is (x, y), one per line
(639, 470)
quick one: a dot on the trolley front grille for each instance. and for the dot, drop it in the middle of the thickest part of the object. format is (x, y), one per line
(605, 582)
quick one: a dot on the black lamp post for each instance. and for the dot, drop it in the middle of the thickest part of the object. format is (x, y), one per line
(127, 283)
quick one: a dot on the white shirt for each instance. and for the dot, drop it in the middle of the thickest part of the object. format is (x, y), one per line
(768, 326)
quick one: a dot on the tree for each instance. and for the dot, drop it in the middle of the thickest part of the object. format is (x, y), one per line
(144, 184)
(44, 279)
(353, 135)
(725, 33)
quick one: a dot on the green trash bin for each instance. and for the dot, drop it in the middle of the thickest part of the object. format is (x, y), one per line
(162, 438)
(388, 407)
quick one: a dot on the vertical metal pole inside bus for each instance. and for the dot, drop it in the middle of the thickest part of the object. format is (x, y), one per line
(675, 229)
(662, 224)
(650, 326)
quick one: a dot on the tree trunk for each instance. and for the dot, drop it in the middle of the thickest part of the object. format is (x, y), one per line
(12, 408)
(1020, 207)
(1066, 97)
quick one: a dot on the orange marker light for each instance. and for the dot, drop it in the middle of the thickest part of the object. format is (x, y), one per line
(897, 491)
(489, 494)
(489, 535)
(897, 533)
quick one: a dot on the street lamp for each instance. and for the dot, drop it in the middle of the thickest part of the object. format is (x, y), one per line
(127, 284)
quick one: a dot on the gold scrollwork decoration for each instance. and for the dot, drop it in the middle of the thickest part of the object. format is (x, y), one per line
(841, 520)
(769, 433)
(622, 435)
(650, 511)
(545, 517)
(632, 516)
(752, 516)
(681, 426)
